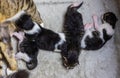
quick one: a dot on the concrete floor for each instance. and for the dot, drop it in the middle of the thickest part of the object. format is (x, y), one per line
(93, 64)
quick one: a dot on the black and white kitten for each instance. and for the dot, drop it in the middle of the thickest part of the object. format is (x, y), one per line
(97, 35)
(46, 39)
(74, 31)
(28, 52)
(36, 37)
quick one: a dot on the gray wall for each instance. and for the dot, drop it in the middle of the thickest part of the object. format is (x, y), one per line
(117, 40)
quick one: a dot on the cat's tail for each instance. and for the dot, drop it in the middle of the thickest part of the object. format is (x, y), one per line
(75, 6)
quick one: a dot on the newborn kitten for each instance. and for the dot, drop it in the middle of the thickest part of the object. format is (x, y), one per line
(97, 35)
(74, 31)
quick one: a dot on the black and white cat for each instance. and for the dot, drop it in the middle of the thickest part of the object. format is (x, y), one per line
(36, 37)
(97, 35)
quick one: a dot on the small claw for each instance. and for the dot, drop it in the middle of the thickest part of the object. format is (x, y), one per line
(65, 59)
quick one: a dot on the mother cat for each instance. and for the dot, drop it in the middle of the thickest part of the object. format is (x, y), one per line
(9, 8)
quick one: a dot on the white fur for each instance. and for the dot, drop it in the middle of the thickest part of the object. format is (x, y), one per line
(22, 56)
(8, 71)
(17, 16)
(88, 32)
(62, 40)
(35, 29)
(3, 72)
(42, 24)
(108, 27)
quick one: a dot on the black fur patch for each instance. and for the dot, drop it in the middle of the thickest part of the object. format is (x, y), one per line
(47, 39)
(106, 36)
(24, 22)
(110, 18)
(30, 48)
(95, 42)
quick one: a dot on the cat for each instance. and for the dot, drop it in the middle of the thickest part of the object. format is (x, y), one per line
(97, 35)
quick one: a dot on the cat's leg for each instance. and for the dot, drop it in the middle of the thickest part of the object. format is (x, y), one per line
(19, 36)
(88, 26)
(95, 22)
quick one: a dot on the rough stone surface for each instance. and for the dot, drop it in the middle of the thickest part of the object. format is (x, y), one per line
(102, 63)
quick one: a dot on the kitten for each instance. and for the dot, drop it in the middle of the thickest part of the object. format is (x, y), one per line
(36, 37)
(74, 31)
(97, 35)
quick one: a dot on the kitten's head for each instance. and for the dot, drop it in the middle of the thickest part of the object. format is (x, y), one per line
(69, 58)
(110, 17)
(24, 22)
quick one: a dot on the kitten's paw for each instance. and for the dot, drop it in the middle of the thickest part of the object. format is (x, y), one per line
(32, 64)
